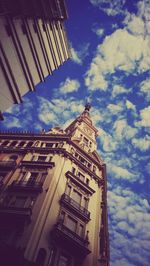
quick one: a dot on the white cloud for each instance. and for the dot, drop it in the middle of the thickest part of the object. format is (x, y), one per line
(79, 55)
(123, 130)
(115, 108)
(75, 56)
(119, 51)
(108, 143)
(144, 115)
(69, 86)
(119, 89)
(122, 173)
(130, 105)
(99, 32)
(142, 143)
(129, 224)
(11, 122)
(145, 88)
(111, 8)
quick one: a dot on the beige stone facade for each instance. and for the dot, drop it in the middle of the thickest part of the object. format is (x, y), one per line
(53, 203)
(33, 43)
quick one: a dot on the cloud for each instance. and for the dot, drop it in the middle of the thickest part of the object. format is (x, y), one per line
(119, 89)
(120, 51)
(123, 130)
(143, 144)
(129, 224)
(79, 55)
(122, 173)
(75, 56)
(145, 89)
(144, 116)
(130, 105)
(99, 31)
(107, 141)
(12, 122)
(111, 8)
(58, 110)
(69, 86)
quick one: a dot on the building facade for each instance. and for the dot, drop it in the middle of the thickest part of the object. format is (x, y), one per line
(53, 199)
(33, 43)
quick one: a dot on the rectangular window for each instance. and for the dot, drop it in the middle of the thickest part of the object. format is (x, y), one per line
(81, 230)
(68, 190)
(20, 202)
(63, 260)
(71, 224)
(86, 141)
(42, 158)
(81, 176)
(73, 170)
(76, 196)
(49, 145)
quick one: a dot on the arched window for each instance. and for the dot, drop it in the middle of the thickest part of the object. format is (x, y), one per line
(41, 257)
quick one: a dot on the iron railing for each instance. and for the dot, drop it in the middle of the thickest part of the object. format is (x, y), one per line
(68, 200)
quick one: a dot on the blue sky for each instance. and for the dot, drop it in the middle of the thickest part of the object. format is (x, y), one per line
(110, 43)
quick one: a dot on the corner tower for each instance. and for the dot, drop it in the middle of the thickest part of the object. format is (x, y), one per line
(53, 201)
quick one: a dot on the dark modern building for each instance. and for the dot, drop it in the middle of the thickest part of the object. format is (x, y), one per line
(33, 43)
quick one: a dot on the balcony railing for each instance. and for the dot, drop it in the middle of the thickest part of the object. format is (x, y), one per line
(7, 164)
(75, 206)
(14, 213)
(26, 185)
(73, 242)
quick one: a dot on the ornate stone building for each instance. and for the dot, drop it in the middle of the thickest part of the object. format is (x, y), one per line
(33, 43)
(53, 202)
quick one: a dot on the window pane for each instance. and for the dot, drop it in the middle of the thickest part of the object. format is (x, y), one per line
(71, 224)
(76, 196)
(63, 261)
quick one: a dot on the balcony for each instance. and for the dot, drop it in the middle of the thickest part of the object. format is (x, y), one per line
(39, 163)
(14, 213)
(74, 206)
(73, 242)
(28, 186)
(80, 183)
(7, 164)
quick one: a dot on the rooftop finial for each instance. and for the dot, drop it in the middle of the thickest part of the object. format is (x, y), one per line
(87, 106)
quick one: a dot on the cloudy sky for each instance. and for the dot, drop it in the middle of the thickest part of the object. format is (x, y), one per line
(110, 43)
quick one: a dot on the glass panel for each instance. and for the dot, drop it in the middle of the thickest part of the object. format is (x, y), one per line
(76, 196)
(63, 260)
(81, 230)
(71, 224)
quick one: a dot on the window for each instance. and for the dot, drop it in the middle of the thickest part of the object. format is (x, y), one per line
(85, 203)
(29, 144)
(5, 143)
(76, 196)
(68, 190)
(49, 145)
(21, 144)
(94, 168)
(81, 176)
(19, 202)
(87, 181)
(41, 257)
(85, 140)
(71, 224)
(81, 230)
(13, 143)
(73, 170)
(42, 158)
(64, 260)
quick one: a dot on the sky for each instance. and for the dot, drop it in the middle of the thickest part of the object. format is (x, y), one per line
(110, 66)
